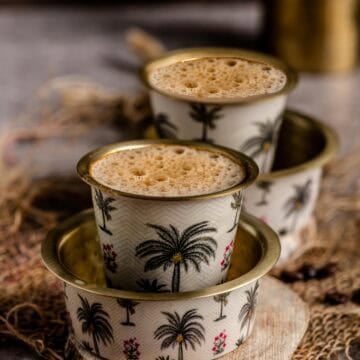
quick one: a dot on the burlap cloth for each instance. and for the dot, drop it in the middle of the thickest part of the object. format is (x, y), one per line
(31, 302)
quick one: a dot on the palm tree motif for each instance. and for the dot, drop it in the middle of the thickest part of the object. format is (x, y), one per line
(236, 205)
(65, 292)
(265, 186)
(151, 286)
(207, 115)
(297, 203)
(181, 331)
(129, 306)
(104, 205)
(264, 141)
(85, 345)
(239, 341)
(164, 127)
(223, 300)
(94, 321)
(177, 250)
(247, 311)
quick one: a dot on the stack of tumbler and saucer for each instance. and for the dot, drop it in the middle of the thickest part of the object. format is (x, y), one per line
(165, 267)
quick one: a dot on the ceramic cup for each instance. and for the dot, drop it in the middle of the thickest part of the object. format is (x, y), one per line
(250, 126)
(119, 325)
(285, 198)
(181, 243)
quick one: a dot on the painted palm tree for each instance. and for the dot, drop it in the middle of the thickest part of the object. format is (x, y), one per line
(178, 250)
(163, 358)
(65, 291)
(263, 142)
(129, 306)
(297, 203)
(247, 311)
(95, 322)
(265, 186)
(164, 127)
(180, 331)
(239, 341)
(104, 205)
(206, 115)
(151, 286)
(236, 205)
(223, 300)
(85, 345)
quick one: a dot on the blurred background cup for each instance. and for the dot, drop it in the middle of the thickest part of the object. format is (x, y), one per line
(250, 126)
(286, 197)
(313, 35)
(179, 243)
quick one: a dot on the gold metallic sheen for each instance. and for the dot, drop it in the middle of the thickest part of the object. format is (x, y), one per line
(304, 143)
(256, 251)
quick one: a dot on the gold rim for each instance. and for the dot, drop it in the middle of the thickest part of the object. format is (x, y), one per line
(268, 238)
(85, 163)
(198, 53)
(323, 157)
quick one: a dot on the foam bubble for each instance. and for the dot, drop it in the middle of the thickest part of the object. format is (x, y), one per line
(167, 170)
(218, 78)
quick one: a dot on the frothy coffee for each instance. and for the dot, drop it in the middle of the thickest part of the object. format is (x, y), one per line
(167, 170)
(218, 78)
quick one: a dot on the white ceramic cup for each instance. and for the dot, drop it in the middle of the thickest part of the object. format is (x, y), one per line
(248, 125)
(180, 243)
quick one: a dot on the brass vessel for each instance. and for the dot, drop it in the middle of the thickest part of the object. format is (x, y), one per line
(313, 35)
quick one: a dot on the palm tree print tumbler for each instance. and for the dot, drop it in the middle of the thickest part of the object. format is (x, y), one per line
(181, 331)
(168, 233)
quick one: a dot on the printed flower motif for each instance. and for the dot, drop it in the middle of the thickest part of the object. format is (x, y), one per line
(131, 349)
(263, 219)
(219, 343)
(225, 262)
(109, 257)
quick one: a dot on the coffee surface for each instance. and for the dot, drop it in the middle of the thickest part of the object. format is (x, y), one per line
(167, 170)
(218, 78)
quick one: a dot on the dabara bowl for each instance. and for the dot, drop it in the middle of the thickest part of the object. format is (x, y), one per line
(249, 125)
(285, 198)
(116, 324)
(197, 230)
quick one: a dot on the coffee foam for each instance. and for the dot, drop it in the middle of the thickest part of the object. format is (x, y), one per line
(167, 170)
(218, 78)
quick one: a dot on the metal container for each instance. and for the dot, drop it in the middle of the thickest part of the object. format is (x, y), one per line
(314, 35)
(286, 197)
(198, 231)
(115, 324)
(241, 124)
